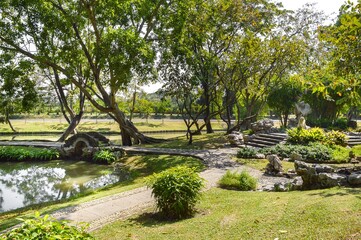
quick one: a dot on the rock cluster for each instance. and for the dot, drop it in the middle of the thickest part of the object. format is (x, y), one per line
(316, 176)
(236, 139)
(262, 126)
(274, 167)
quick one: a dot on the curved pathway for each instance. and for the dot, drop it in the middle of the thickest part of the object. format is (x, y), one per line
(119, 206)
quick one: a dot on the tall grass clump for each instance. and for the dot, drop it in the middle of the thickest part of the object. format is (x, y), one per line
(176, 191)
(238, 181)
(14, 153)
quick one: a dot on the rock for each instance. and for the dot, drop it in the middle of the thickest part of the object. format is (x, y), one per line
(274, 167)
(282, 187)
(354, 179)
(315, 176)
(296, 157)
(297, 183)
(328, 180)
(235, 139)
(323, 168)
(260, 156)
(262, 126)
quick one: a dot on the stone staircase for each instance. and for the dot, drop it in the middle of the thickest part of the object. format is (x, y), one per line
(266, 139)
(353, 140)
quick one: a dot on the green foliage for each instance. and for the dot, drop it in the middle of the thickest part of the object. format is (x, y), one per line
(45, 228)
(336, 137)
(282, 99)
(305, 136)
(176, 191)
(13, 153)
(340, 123)
(104, 156)
(314, 152)
(246, 153)
(238, 181)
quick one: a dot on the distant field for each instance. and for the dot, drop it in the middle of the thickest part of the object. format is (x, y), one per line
(102, 125)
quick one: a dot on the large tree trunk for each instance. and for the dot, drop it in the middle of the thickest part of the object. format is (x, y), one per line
(129, 132)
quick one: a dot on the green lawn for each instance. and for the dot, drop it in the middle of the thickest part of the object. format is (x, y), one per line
(224, 214)
(58, 125)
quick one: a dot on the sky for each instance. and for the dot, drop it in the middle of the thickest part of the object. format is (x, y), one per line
(329, 7)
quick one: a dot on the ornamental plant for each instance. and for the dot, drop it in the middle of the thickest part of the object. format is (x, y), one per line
(176, 191)
(247, 153)
(104, 156)
(238, 181)
(46, 228)
(305, 136)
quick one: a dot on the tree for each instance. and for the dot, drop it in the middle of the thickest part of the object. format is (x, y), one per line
(104, 41)
(283, 97)
(344, 44)
(17, 86)
(201, 45)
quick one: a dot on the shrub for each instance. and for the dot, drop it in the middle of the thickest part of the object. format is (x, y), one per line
(313, 152)
(15, 153)
(340, 123)
(43, 228)
(247, 153)
(305, 136)
(104, 156)
(238, 181)
(336, 137)
(176, 191)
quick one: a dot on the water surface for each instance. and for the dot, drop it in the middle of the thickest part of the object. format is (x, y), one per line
(23, 184)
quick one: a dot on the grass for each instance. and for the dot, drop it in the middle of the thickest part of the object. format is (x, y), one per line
(203, 141)
(139, 166)
(104, 125)
(223, 214)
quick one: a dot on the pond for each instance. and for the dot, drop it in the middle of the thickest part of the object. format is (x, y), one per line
(23, 184)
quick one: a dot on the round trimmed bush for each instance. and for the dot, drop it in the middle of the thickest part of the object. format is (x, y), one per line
(176, 191)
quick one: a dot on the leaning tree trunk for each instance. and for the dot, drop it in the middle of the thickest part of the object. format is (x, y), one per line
(7, 120)
(72, 126)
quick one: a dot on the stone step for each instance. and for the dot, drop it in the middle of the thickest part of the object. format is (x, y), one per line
(273, 140)
(257, 145)
(268, 143)
(351, 144)
(280, 136)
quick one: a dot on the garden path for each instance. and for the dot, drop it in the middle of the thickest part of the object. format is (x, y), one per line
(101, 211)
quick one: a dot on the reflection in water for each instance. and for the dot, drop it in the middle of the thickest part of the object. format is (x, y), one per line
(27, 184)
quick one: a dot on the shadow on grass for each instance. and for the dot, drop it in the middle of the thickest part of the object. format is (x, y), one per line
(340, 192)
(155, 219)
(147, 124)
(148, 164)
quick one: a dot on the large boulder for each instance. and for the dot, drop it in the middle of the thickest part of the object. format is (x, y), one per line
(235, 139)
(316, 176)
(262, 126)
(354, 179)
(274, 167)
